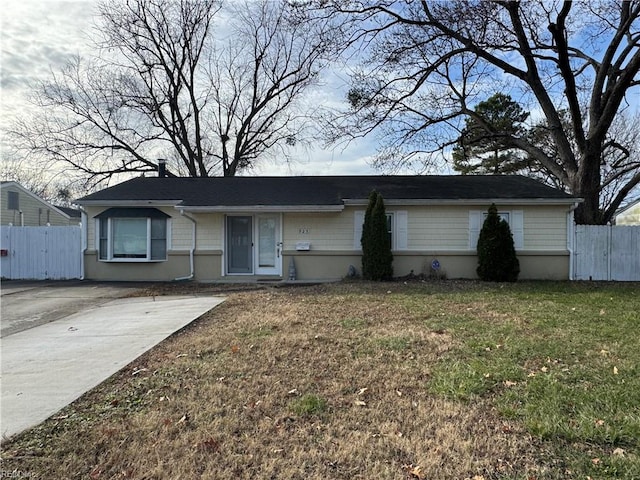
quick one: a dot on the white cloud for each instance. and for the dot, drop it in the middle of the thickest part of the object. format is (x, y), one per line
(355, 159)
(38, 36)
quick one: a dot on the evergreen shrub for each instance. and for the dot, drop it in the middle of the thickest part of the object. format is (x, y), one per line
(497, 261)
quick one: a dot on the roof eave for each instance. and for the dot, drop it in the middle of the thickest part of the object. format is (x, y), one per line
(259, 208)
(127, 203)
(466, 201)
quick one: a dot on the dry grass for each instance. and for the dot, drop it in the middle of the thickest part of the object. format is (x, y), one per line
(324, 382)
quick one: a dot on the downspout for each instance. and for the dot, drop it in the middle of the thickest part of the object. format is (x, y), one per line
(193, 248)
(571, 238)
(84, 225)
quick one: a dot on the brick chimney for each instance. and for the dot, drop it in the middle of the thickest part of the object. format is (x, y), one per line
(162, 168)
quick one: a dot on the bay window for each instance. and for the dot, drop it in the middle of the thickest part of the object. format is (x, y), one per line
(132, 235)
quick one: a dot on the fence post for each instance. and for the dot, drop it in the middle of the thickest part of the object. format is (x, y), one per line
(609, 251)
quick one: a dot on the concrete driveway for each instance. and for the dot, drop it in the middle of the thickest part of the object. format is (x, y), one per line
(59, 341)
(27, 304)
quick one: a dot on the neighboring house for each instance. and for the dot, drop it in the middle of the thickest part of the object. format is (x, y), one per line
(213, 229)
(630, 215)
(22, 208)
(74, 214)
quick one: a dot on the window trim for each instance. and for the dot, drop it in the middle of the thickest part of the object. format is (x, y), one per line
(515, 221)
(13, 200)
(104, 219)
(399, 229)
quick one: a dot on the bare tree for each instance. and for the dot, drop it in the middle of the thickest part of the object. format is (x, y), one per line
(166, 84)
(259, 77)
(429, 63)
(58, 188)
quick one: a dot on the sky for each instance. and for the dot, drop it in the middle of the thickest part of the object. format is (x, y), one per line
(38, 36)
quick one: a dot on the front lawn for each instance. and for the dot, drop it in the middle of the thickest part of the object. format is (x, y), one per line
(358, 381)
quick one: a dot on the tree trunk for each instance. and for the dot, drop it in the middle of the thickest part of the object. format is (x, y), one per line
(587, 186)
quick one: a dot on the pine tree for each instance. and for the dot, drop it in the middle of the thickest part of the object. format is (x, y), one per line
(497, 261)
(365, 239)
(376, 245)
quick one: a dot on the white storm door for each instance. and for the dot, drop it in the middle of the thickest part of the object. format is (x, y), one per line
(269, 245)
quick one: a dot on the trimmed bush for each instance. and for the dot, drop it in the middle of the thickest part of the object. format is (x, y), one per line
(377, 259)
(497, 261)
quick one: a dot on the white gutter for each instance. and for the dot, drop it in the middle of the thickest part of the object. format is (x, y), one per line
(261, 208)
(465, 201)
(193, 248)
(571, 235)
(128, 203)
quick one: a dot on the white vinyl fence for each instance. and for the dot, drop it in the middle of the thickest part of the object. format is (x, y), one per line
(607, 253)
(40, 253)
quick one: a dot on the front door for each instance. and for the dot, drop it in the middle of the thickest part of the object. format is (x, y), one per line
(240, 245)
(268, 256)
(254, 245)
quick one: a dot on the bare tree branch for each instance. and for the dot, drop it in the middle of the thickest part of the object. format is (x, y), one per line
(167, 84)
(426, 64)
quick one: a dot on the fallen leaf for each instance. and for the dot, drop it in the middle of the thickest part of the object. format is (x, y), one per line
(509, 383)
(417, 472)
(599, 423)
(414, 471)
(235, 348)
(619, 452)
(615, 370)
(544, 369)
(399, 393)
(602, 312)
(184, 419)
(360, 403)
(361, 391)
(595, 461)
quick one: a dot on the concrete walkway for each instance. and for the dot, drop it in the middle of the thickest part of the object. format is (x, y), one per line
(49, 366)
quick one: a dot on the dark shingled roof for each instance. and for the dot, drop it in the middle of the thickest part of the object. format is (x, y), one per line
(323, 190)
(72, 212)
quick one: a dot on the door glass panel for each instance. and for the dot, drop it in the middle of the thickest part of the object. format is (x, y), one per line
(239, 245)
(267, 242)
